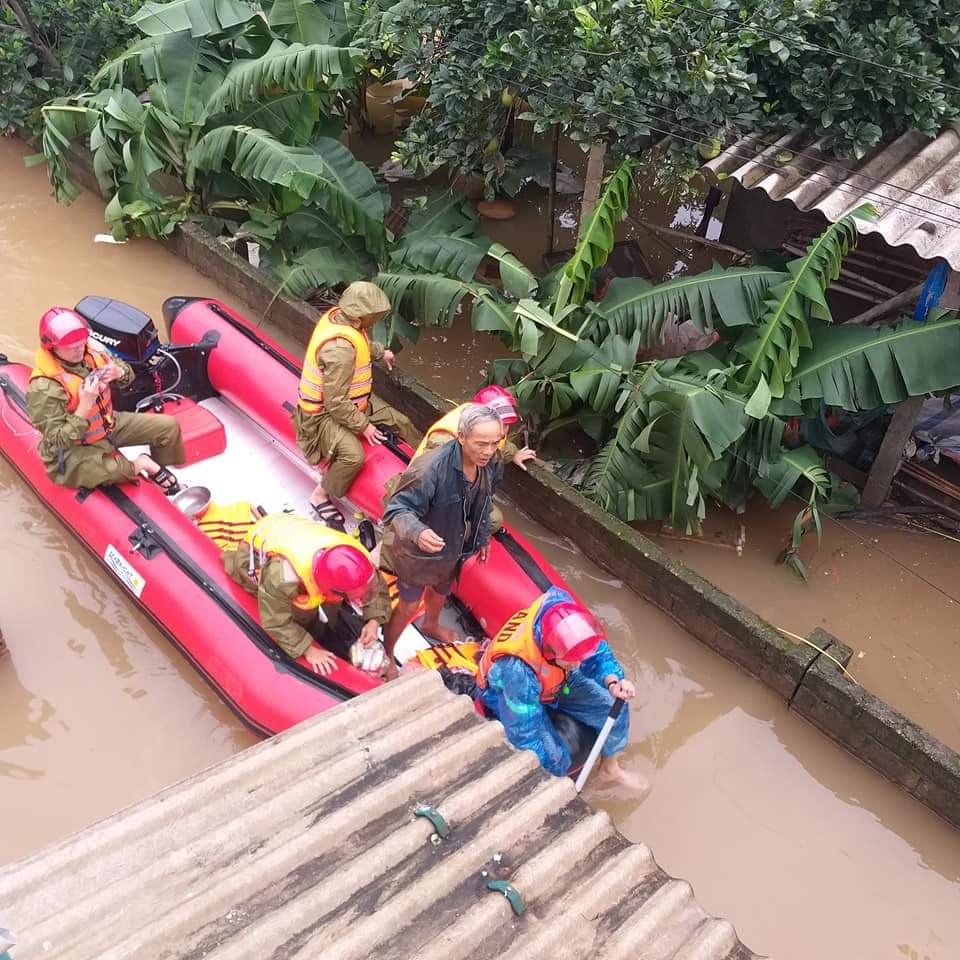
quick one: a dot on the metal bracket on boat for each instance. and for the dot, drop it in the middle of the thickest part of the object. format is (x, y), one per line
(511, 893)
(440, 825)
(142, 541)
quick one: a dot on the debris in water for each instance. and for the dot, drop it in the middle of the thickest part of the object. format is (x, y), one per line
(497, 857)
(567, 220)
(106, 238)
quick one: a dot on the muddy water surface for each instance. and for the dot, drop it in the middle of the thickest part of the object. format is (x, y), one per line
(888, 594)
(807, 851)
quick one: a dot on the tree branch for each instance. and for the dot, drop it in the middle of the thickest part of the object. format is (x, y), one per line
(28, 27)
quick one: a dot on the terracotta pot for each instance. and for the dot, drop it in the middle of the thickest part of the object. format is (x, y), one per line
(471, 186)
(408, 108)
(496, 209)
(382, 101)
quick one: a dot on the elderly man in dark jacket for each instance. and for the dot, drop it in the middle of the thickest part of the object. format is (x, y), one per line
(439, 516)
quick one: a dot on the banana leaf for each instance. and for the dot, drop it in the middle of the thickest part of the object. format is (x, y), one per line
(771, 348)
(448, 255)
(293, 67)
(203, 18)
(326, 174)
(596, 238)
(309, 21)
(718, 297)
(859, 368)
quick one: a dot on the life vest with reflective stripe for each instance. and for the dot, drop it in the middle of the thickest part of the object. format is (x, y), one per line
(458, 657)
(47, 364)
(516, 639)
(298, 541)
(311, 380)
(446, 428)
(227, 525)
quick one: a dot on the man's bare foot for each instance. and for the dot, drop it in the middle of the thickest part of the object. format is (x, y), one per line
(610, 773)
(433, 631)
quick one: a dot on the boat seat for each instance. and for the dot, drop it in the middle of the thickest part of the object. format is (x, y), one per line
(203, 433)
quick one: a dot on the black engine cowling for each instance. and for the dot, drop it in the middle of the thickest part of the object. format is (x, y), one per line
(160, 370)
(124, 330)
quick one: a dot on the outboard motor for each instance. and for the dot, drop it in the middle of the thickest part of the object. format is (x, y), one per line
(124, 330)
(162, 371)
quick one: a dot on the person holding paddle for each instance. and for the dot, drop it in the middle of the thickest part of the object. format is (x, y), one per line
(553, 657)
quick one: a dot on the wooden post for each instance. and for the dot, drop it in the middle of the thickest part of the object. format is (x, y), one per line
(714, 196)
(888, 461)
(552, 199)
(594, 182)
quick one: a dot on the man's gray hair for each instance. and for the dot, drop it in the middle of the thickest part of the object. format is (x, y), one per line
(475, 414)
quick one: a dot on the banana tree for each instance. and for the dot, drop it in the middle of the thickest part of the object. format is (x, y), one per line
(229, 110)
(674, 433)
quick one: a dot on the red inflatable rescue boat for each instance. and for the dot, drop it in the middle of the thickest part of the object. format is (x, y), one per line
(233, 390)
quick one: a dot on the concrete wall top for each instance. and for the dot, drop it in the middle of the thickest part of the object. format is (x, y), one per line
(308, 846)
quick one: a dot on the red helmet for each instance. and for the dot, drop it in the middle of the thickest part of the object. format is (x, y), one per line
(570, 632)
(343, 569)
(62, 327)
(501, 402)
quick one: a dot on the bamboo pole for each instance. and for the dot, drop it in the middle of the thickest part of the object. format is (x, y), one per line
(892, 305)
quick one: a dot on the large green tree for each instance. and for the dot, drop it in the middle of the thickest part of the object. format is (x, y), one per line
(705, 71)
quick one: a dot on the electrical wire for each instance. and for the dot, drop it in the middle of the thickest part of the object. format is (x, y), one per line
(168, 393)
(841, 186)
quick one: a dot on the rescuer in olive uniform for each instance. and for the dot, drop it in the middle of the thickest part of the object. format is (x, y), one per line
(69, 402)
(294, 566)
(336, 405)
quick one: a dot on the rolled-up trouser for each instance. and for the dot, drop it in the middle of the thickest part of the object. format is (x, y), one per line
(322, 438)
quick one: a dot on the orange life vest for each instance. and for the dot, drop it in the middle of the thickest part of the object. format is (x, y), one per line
(445, 429)
(47, 364)
(516, 639)
(297, 540)
(311, 380)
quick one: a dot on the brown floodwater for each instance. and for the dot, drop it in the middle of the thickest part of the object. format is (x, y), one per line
(805, 849)
(887, 593)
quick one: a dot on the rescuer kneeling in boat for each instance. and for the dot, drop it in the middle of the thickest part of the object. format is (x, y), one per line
(293, 566)
(336, 405)
(437, 518)
(554, 655)
(69, 402)
(502, 403)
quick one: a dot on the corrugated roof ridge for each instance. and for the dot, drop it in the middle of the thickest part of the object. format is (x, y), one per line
(269, 861)
(277, 753)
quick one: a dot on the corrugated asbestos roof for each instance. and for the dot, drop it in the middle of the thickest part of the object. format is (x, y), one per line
(306, 846)
(914, 182)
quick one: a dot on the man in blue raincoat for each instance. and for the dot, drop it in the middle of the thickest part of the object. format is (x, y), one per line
(553, 656)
